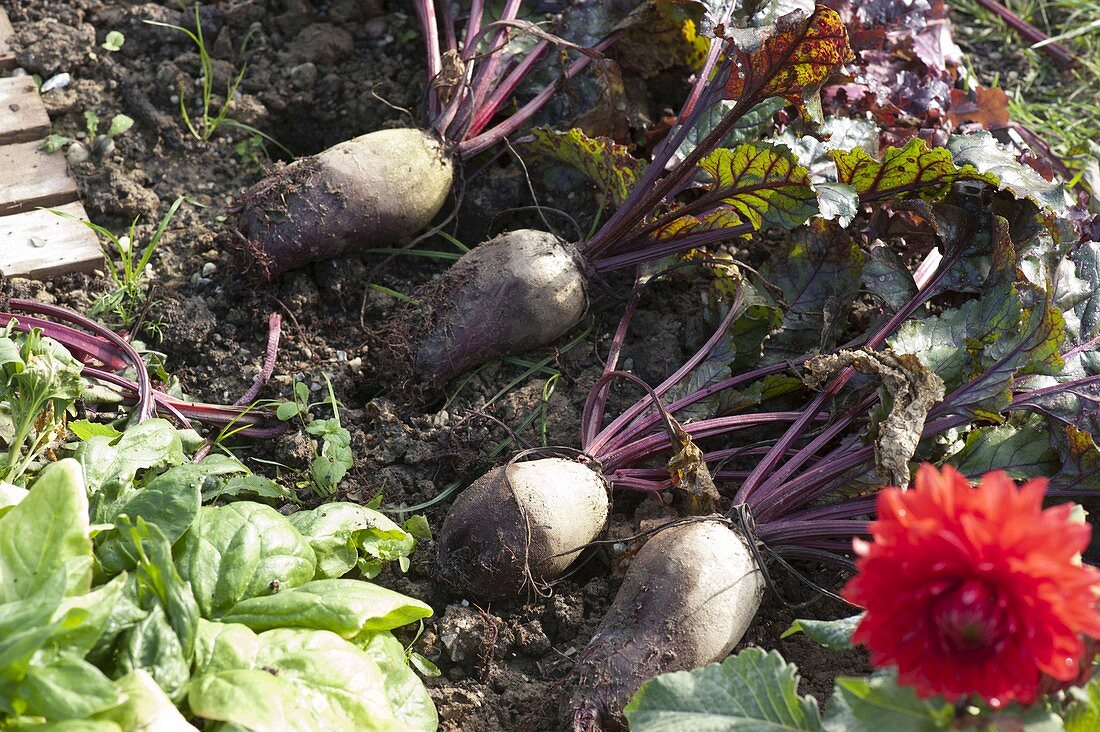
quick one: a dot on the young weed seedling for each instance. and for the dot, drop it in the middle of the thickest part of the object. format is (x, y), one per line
(121, 306)
(331, 463)
(212, 115)
(101, 144)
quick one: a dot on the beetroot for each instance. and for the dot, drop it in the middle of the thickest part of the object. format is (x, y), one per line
(521, 524)
(516, 292)
(372, 190)
(686, 600)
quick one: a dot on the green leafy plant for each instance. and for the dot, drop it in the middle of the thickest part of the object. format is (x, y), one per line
(120, 125)
(252, 151)
(211, 115)
(39, 381)
(206, 124)
(129, 271)
(755, 689)
(334, 458)
(127, 604)
(113, 42)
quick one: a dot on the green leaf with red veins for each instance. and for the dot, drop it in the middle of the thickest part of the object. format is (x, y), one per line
(762, 183)
(980, 347)
(912, 169)
(819, 273)
(1080, 461)
(1022, 448)
(750, 185)
(607, 164)
(982, 151)
(790, 59)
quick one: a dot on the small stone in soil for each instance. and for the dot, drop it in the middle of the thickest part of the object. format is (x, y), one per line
(464, 632)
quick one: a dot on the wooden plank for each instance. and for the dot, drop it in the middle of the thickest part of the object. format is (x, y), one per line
(33, 177)
(23, 117)
(40, 244)
(7, 56)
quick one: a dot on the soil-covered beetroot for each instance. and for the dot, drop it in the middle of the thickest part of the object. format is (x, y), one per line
(521, 523)
(372, 190)
(516, 292)
(686, 600)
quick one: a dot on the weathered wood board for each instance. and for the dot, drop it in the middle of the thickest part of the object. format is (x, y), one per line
(23, 116)
(41, 244)
(36, 178)
(7, 58)
(35, 242)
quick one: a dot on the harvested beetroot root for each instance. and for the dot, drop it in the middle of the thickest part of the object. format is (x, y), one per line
(379, 187)
(688, 597)
(521, 525)
(749, 187)
(513, 293)
(382, 187)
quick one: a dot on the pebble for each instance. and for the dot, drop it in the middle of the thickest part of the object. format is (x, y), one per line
(77, 153)
(57, 81)
(304, 76)
(341, 355)
(208, 269)
(103, 145)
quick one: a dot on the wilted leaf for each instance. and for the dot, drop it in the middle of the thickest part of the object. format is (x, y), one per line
(690, 474)
(609, 165)
(986, 106)
(914, 390)
(790, 59)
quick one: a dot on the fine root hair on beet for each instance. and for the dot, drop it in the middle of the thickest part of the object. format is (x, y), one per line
(520, 526)
(518, 291)
(372, 190)
(686, 600)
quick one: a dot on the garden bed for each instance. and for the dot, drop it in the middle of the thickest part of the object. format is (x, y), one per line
(317, 73)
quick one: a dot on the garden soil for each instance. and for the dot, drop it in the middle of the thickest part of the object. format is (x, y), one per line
(317, 73)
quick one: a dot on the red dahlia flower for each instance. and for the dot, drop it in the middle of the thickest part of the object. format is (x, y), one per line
(975, 591)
